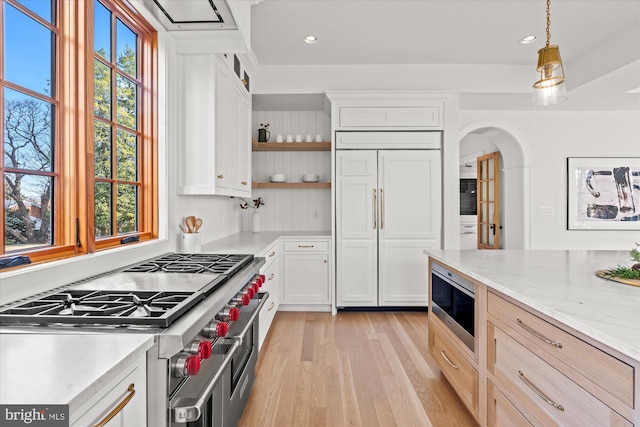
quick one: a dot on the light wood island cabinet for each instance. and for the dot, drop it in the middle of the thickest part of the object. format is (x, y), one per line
(533, 370)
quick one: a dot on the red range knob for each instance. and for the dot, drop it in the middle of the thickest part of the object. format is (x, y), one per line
(222, 329)
(234, 313)
(255, 288)
(258, 282)
(249, 291)
(205, 349)
(187, 364)
(245, 299)
(192, 365)
(263, 278)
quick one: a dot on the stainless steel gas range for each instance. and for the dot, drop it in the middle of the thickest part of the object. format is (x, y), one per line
(202, 310)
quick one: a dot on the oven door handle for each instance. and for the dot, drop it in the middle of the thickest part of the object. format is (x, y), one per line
(240, 337)
(188, 409)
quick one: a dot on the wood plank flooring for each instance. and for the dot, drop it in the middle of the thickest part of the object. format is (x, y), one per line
(354, 369)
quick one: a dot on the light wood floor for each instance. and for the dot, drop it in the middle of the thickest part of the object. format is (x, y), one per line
(353, 369)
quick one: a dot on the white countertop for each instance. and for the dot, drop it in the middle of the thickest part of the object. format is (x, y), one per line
(247, 242)
(563, 285)
(62, 369)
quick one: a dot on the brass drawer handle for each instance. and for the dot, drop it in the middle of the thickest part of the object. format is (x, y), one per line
(120, 407)
(539, 392)
(305, 246)
(220, 176)
(244, 183)
(538, 334)
(272, 276)
(272, 254)
(271, 306)
(449, 361)
(381, 209)
(375, 209)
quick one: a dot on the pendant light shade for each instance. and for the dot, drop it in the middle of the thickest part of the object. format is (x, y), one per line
(550, 87)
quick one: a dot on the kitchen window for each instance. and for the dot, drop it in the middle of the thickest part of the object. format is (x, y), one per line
(78, 117)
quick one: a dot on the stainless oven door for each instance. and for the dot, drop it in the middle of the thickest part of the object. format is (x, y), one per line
(199, 401)
(243, 363)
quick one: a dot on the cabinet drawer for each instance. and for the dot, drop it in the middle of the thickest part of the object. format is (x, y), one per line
(604, 370)
(272, 279)
(460, 373)
(428, 116)
(267, 313)
(307, 246)
(270, 255)
(541, 392)
(501, 412)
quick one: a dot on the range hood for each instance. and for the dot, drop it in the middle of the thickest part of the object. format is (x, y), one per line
(192, 15)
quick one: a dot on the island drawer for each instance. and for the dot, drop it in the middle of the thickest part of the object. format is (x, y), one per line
(600, 368)
(541, 393)
(461, 374)
(271, 254)
(501, 412)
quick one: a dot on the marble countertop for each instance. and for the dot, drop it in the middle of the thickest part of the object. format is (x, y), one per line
(253, 243)
(561, 284)
(63, 369)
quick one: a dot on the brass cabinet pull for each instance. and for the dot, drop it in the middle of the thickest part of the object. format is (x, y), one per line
(271, 306)
(272, 276)
(272, 254)
(381, 209)
(305, 246)
(538, 334)
(244, 183)
(244, 82)
(375, 209)
(220, 176)
(539, 392)
(120, 407)
(449, 361)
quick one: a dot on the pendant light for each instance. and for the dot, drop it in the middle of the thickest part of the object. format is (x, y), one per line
(550, 88)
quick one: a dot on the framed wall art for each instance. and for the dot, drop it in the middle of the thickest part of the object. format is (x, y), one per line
(603, 193)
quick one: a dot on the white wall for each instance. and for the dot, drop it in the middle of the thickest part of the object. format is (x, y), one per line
(547, 139)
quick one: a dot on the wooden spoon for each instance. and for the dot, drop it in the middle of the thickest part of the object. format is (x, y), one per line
(191, 223)
(198, 224)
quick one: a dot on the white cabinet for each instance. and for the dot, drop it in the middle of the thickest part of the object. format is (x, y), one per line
(126, 395)
(306, 274)
(388, 205)
(213, 127)
(271, 271)
(391, 116)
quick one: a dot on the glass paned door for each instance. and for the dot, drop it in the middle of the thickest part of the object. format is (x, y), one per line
(489, 227)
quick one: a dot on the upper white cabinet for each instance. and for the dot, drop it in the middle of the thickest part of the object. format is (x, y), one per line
(213, 122)
(391, 116)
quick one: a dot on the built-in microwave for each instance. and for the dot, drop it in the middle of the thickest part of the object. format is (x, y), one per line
(453, 302)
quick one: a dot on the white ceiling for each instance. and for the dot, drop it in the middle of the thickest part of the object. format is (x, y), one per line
(599, 39)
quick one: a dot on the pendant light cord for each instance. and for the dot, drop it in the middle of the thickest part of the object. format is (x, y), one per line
(548, 22)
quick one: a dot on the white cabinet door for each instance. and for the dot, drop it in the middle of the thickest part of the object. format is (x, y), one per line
(306, 278)
(410, 206)
(409, 193)
(133, 413)
(214, 128)
(357, 228)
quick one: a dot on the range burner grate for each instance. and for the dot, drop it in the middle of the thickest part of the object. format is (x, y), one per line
(103, 307)
(193, 263)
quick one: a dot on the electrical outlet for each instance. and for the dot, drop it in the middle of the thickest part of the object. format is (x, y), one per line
(546, 210)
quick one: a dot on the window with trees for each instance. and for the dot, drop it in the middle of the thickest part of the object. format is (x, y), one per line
(77, 90)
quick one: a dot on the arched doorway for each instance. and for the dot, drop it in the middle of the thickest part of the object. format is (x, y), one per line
(485, 137)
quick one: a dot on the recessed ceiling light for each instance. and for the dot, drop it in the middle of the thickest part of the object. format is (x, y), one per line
(310, 39)
(528, 39)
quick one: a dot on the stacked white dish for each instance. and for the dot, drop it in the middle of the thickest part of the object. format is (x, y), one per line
(310, 177)
(278, 177)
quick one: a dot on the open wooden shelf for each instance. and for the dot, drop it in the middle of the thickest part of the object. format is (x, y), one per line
(291, 185)
(290, 146)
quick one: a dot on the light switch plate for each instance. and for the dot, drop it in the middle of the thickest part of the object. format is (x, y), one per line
(546, 210)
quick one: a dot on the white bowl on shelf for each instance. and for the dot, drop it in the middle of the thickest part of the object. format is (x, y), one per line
(278, 177)
(310, 177)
